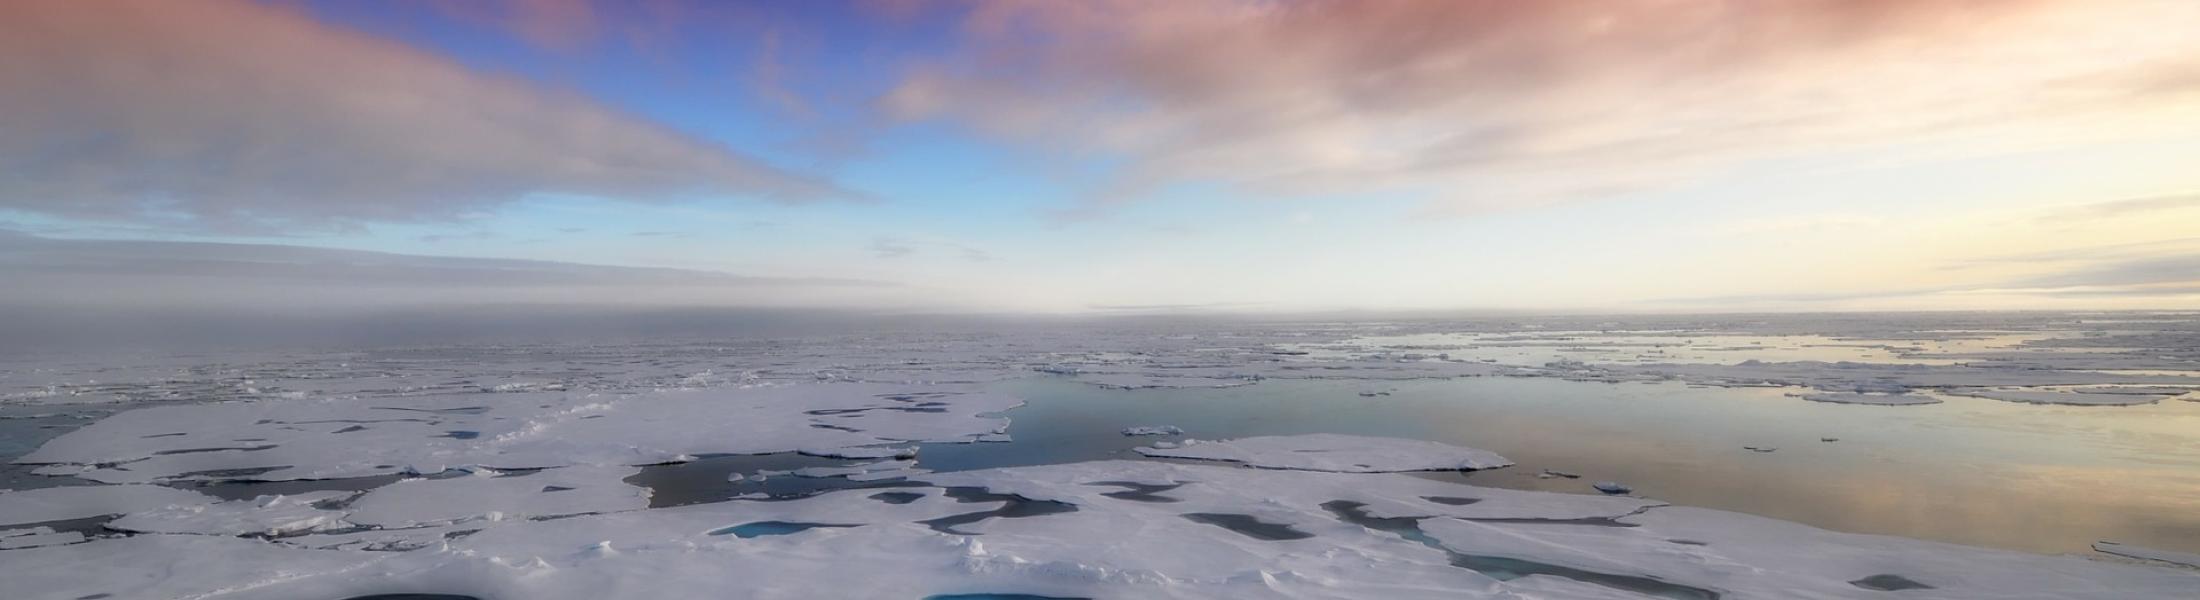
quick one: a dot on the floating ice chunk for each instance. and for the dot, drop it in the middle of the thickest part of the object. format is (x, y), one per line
(1336, 453)
(390, 540)
(898, 467)
(1866, 398)
(1558, 473)
(551, 492)
(37, 537)
(1141, 381)
(863, 452)
(1152, 430)
(1612, 487)
(2182, 558)
(265, 515)
(85, 501)
(1761, 449)
(2143, 390)
(2059, 397)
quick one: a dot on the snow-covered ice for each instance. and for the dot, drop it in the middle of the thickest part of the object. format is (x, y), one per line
(34, 537)
(86, 501)
(265, 515)
(493, 495)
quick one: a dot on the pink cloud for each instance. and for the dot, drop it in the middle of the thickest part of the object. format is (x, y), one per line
(1490, 104)
(236, 114)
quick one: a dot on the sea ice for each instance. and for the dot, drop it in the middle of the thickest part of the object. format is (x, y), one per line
(36, 537)
(319, 438)
(1152, 430)
(1745, 556)
(2059, 397)
(1418, 534)
(1878, 399)
(492, 495)
(2182, 558)
(1336, 453)
(265, 515)
(85, 501)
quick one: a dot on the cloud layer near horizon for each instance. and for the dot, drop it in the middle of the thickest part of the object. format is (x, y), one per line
(1487, 104)
(183, 276)
(236, 115)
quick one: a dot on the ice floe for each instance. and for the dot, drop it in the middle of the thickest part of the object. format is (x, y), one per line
(1334, 452)
(1746, 556)
(1876, 399)
(85, 501)
(494, 495)
(1152, 430)
(34, 537)
(2073, 398)
(266, 515)
(2182, 558)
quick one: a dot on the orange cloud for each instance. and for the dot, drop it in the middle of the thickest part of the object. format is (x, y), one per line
(225, 113)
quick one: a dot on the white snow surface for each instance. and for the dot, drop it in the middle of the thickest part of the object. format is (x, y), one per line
(1335, 452)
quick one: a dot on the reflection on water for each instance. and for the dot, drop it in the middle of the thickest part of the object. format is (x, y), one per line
(1643, 347)
(1972, 471)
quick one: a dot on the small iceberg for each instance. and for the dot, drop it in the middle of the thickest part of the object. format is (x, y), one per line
(1152, 430)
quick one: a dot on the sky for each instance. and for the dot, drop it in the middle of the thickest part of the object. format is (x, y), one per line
(1103, 156)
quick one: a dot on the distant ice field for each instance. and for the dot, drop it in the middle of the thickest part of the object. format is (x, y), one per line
(1955, 456)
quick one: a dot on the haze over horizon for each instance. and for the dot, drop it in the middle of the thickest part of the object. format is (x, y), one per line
(1069, 158)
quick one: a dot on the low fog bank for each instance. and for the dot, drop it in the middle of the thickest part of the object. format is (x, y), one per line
(49, 328)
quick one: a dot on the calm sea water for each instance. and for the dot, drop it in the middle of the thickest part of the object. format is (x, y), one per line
(1973, 471)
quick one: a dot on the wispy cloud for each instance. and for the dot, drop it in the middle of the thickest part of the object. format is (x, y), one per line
(2126, 207)
(897, 247)
(1494, 104)
(451, 237)
(180, 275)
(238, 115)
(891, 248)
